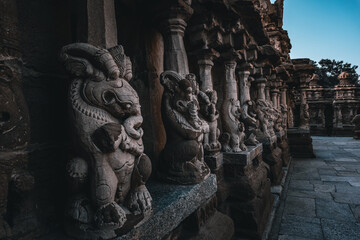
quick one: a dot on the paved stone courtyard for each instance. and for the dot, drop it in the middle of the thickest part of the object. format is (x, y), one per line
(321, 198)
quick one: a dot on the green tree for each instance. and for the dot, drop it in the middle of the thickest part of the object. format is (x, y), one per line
(328, 71)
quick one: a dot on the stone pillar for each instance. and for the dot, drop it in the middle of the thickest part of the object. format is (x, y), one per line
(231, 90)
(233, 130)
(283, 93)
(274, 100)
(101, 22)
(261, 82)
(267, 93)
(304, 107)
(175, 57)
(208, 110)
(205, 66)
(244, 85)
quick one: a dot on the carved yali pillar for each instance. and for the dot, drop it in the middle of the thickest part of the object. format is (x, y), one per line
(233, 136)
(107, 176)
(266, 135)
(262, 110)
(248, 116)
(182, 160)
(208, 99)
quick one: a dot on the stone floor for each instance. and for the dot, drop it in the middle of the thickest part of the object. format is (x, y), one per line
(321, 198)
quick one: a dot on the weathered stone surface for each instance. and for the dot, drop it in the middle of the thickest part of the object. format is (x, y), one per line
(172, 204)
(334, 211)
(338, 230)
(300, 206)
(301, 229)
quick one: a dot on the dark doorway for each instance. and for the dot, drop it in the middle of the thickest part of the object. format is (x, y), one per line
(329, 116)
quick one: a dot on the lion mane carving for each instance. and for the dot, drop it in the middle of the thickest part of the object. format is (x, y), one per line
(107, 177)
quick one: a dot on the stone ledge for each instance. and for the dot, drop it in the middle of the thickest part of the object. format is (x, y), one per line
(172, 204)
(243, 158)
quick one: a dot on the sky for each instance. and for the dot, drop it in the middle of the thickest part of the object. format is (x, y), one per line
(324, 29)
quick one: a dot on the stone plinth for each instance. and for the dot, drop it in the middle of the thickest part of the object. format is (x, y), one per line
(283, 144)
(172, 204)
(300, 143)
(272, 155)
(249, 199)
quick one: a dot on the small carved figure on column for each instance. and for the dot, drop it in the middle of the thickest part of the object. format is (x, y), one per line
(182, 160)
(108, 175)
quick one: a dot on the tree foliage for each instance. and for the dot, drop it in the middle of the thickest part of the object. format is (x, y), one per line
(328, 71)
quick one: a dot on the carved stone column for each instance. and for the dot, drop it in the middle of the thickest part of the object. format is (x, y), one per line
(274, 93)
(208, 109)
(261, 82)
(304, 107)
(248, 117)
(99, 20)
(267, 93)
(233, 131)
(173, 28)
(283, 105)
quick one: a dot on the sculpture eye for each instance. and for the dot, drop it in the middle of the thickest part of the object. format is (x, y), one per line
(109, 97)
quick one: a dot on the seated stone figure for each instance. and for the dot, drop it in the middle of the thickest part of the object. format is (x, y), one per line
(108, 173)
(182, 160)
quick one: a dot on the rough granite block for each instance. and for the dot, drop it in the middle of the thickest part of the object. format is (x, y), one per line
(172, 204)
(243, 158)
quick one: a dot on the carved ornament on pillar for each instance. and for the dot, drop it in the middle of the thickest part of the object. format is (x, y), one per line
(182, 159)
(248, 116)
(263, 111)
(108, 175)
(208, 98)
(233, 136)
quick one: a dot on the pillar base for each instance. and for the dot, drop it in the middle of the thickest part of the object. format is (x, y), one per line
(249, 200)
(300, 143)
(272, 155)
(282, 142)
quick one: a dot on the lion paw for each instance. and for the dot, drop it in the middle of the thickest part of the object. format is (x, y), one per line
(140, 201)
(110, 215)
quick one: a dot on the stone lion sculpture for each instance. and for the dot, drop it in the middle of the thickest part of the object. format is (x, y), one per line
(108, 174)
(182, 159)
